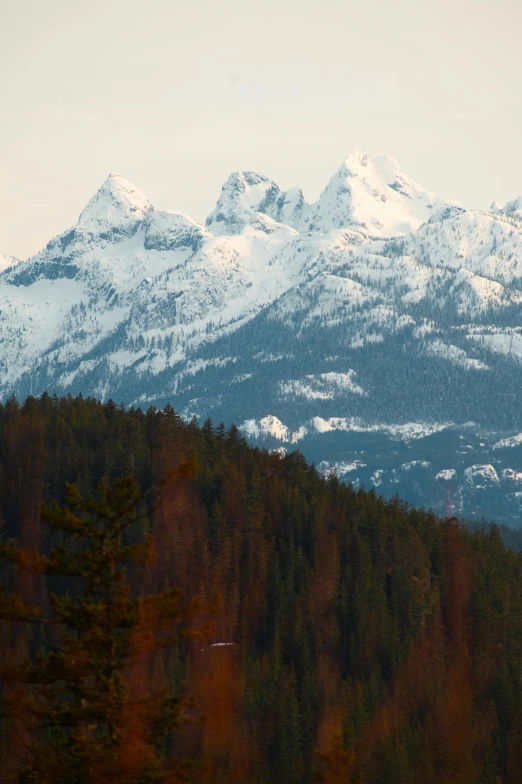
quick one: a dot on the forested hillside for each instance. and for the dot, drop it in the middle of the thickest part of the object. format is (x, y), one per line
(367, 641)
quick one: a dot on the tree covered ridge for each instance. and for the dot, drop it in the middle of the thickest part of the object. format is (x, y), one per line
(368, 641)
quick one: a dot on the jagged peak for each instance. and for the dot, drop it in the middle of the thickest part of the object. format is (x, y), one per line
(371, 195)
(117, 204)
(359, 164)
(357, 157)
(375, 195)
(249, 187)
(247, 177)
(250, 200)
(513, 206)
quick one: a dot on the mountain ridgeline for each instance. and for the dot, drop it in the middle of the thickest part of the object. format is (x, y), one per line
(365, 640)
(378, 329)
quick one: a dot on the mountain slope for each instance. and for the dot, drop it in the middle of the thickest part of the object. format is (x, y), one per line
(380, 306)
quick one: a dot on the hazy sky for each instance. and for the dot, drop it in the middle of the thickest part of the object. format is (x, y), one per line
(176, 94)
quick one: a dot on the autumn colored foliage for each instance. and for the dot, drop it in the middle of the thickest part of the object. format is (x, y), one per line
(356, 640)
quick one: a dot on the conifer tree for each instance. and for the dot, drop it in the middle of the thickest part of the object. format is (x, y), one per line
(91, 712)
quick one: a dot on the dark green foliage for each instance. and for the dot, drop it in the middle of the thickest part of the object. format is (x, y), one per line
(367, 641)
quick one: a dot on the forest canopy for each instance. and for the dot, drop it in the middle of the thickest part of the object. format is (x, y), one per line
(356, 639)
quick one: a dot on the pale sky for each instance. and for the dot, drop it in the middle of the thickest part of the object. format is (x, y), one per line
(177, 94)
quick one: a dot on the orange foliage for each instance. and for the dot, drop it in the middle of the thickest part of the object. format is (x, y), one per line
(334, 759)
(219, 686)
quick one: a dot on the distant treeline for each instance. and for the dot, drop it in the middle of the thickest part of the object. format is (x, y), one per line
(370, 641)
(512, 537)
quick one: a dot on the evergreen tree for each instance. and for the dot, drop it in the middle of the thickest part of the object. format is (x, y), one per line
(91, 712)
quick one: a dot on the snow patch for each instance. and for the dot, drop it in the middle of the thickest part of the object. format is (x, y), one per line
(446, 474)
(406, 432)
(377, 477)
(415, 464)
(269, 426)
(324, 386)
(455, 355)
(508, 443)
(485, 473)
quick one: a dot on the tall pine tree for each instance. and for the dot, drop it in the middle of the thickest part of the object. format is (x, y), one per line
(89, 711)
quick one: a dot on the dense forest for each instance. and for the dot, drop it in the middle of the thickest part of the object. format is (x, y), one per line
(366, 641)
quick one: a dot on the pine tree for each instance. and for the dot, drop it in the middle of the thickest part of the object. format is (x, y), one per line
(89, 709)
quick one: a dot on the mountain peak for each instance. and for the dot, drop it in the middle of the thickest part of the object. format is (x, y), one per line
(250, 200)
(373, 195)
(513, 208)
(369, 195)
(358, 157)
(117, 205)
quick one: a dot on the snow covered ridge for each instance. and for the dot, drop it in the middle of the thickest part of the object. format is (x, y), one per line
(410, 431)
(326, 308)
(509, 443)
(454, 355)
(481, 473)
(339, 468)
(272, 427)
(7, 261)
(372, 196)
(323, 386)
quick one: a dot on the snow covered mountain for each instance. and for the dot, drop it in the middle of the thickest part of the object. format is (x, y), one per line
(373, 196)
(370, 196)
(368, 329)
